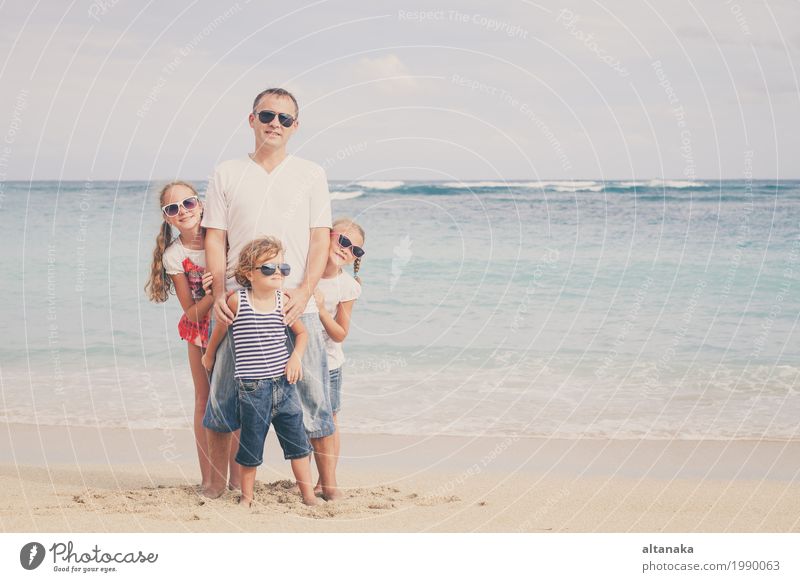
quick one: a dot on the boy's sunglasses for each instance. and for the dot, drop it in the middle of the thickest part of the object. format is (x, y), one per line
(267, 116)
(188, 204)
(268, 269)
(345, 242)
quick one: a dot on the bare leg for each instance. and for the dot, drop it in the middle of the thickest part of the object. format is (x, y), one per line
(200, 379)
(235, 481)
(336, 448)
(337, 444)
(219, 445)
(326, 465)
(302, 473)
(248, 485)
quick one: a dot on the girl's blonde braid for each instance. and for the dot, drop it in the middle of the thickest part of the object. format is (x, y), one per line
(356, 267)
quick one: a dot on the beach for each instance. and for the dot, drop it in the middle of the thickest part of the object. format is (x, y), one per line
(80, 479)
(640, 364)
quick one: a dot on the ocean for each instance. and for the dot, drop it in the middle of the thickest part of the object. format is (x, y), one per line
(651, 309)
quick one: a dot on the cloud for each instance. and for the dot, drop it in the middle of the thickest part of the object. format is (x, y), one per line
(389, 70)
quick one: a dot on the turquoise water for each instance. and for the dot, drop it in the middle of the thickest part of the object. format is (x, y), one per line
(655, 309)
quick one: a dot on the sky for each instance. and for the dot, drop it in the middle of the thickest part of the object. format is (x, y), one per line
(122, 90)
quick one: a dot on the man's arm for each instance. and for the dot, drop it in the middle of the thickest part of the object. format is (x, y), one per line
(318, 250)
(217, 334)
(217, 262)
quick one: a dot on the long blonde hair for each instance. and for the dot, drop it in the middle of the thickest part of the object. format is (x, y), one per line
(352, 223)
(159, 285)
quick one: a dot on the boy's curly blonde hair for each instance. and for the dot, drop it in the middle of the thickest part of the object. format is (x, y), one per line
(253, 255)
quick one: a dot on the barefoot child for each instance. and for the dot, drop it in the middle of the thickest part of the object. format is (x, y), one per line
(335, 295)
(264, 370)
(180, 263)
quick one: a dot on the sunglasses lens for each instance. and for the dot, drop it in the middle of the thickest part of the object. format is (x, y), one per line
(358, 252)
(286, 120)
(344, 241)
(190, 203)
(266, 116)
(172, 210)
(268, 269)
(285, 270)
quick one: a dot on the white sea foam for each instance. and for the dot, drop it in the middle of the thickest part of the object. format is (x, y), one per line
(675, 184)
(572, 185)
(578, 188)
(557, 185)
(346, 195)
(378, 185)
(490, 184)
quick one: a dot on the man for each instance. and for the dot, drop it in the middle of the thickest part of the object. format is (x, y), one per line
(271, 193)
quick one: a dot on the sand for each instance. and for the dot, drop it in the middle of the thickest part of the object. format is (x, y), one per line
(67, 479)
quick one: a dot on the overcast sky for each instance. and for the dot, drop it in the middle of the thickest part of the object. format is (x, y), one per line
(438, 90)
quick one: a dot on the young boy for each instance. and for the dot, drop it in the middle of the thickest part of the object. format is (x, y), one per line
(264, 370)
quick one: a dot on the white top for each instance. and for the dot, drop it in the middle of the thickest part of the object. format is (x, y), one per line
(338, 289)
(248, 202)
(176, 253)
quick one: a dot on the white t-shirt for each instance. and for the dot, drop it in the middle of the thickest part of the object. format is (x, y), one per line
(176, 253)
(338, 289)
(248, 202)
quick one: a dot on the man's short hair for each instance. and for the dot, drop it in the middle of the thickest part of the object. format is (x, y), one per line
(277, 91)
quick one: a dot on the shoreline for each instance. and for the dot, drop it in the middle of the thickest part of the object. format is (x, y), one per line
(89, 479)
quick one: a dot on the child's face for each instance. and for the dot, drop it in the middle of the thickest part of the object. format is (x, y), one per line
(261, 282)
(185, 220)
(343, 255)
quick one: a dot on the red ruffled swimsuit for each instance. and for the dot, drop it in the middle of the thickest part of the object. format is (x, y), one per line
(195, 332)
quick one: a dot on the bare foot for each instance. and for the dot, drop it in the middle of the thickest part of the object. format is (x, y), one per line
(212, 493)
(318, 488)
(331, 493)
(245, 503)
(234, 487)
(311, 501)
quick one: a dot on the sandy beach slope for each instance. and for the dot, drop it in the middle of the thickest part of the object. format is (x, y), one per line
(55, 479)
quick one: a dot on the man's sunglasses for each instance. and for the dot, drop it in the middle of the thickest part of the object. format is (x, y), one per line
(267, 116)
(345, 242)
(188, 204)
(268, 269)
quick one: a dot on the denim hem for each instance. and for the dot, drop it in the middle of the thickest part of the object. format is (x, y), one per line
(261, 462)
(327, 431)
(300, 456)
(224, 428)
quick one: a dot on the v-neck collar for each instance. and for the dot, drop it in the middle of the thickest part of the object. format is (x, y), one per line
(263, 169)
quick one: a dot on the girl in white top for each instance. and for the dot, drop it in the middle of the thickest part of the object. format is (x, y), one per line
(179, 264)
(335, 296)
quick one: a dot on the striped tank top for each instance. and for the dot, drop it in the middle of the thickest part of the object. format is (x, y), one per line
(260, 340)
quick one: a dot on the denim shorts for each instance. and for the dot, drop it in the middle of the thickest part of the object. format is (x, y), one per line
(264, 402)
(336, 390)
(314, 388)
(222, 410)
